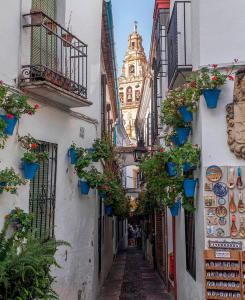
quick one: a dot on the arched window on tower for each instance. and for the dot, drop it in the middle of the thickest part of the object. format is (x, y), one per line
(121, 95)
(129, 94)
(131, 69)
(137, 95)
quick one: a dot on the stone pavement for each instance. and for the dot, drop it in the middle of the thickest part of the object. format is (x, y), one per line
(133, 278)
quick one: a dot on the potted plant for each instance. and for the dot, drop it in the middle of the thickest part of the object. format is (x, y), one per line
(36, 17)
(67, 39)
(76, 153)
(20, 221)
(51, 26)
(175, 208)
(189, 185)
(108, 210)
(209, 80)
(9, 180)
(88, 179)
(101, 149)
(14, 105)
(32, 157)
(3, 135)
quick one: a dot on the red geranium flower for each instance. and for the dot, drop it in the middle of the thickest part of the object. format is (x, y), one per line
(30, 113)
(162, 150)
(230, 77)
(34, 146)
(10, 116)
(214, 66)
(1, 82)
(36, 106)
(214, 78)
(193, 84)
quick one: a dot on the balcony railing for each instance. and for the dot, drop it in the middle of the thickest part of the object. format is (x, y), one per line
(56, 56)
(179, 41)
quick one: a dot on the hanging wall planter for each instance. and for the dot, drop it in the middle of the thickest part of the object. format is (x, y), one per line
(186, 115)
(52, 27)
(171, 169)
(109, 210)
(84, 187)
(11, 121)
(183, 134)
(30, 170)
(211, 97)
(68, 37)
(175, 209)
(72, 153)
(188, 167)
(175, 140)
(189, 187)
(36, 17)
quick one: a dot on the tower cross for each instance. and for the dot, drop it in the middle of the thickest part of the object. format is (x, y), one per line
(135, 26)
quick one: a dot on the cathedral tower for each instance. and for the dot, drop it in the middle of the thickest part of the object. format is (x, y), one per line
(130, 81)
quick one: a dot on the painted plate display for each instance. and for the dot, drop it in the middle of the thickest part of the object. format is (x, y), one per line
(220, 232)
(221, 211)
(214, 173)
(222, 221)
(221, 201)
(220, 189)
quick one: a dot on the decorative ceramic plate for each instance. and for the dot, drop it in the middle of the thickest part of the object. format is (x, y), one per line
(221, 201)
(213, 220)
(211, 212)
(221, 211)
(220, 189)
(214, 173)
(220, 232)
(222, 221)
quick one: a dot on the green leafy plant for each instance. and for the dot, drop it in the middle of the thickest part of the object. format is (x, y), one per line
(15, 104)
(25, 264)
(102, 149)
(20, 221)
(3, 136)
(9, 180)
(33, 152)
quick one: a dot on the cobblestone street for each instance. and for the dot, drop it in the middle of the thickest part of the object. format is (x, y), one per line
(131, 277)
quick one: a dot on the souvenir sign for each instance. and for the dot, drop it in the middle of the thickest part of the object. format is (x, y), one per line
(222, 254)
(210, 200)
(213, 173)
(210, 230)
(208, 187)
(221, 201)
(220, 232)
(221, 211)
(222, 221)
(225, 245)
(211, 212)
(220, 189)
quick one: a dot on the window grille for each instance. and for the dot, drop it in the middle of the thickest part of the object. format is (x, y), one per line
(190, 243)
(42, 195)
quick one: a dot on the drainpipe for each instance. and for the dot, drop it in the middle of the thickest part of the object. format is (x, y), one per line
(174, 250)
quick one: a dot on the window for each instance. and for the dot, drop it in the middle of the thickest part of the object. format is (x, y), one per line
(137, 96)
(129, 94)
(131, 69)
(42, 194)
(133, 45)
(190, 243)
(121, 95)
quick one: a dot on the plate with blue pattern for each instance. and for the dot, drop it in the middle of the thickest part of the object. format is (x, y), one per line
(220, 189)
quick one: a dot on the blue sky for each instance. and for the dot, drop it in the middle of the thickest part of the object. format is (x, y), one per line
(125, 12)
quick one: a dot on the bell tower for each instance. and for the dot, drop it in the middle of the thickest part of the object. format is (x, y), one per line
(130, 81)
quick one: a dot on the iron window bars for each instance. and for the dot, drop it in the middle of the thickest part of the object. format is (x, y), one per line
(57, 56)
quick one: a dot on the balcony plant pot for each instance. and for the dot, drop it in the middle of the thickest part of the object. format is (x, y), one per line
(51, 26)
(30, 170)
(175, 140)
(189, 187)
(186, 115)
(72, 155)
(171, 169)
(11, 122)
(175, 209)
(84, 187)
(188, 167)
(183, 134)
(68, 37)
(36, 17)
(211, 97)
(109, 210)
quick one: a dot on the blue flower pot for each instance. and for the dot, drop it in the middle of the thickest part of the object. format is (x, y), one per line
(189, 187)
(73, 155)
(183, 134)
(186, 115)
(84, 187)
(171, 169)
(10, 124)
(108, 210)
(175, 140)
(102, 193)
(187, 167)
(211, 97)
(30, 169)
(175, 209)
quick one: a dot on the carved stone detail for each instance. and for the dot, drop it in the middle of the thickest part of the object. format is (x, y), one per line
(236, 117)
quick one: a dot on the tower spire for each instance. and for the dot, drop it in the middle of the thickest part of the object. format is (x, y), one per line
(135, 26)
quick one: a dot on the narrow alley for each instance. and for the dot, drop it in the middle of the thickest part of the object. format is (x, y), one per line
(132, 277)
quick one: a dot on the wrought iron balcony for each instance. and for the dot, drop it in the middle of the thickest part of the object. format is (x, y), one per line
(57, 64)
(179, 43)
